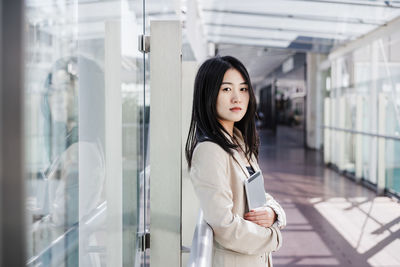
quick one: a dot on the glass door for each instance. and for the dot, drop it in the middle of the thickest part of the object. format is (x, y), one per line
(86, 128)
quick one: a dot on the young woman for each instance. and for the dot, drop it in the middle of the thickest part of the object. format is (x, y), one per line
(222, 151)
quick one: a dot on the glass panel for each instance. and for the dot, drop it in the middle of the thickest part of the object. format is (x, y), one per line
(362, 65)
(145, 132)
(133, 137)
(83, 73)
(392, 173)
(51, 112)
(367, 78)
(366, 159)
(349, 114)
(388, 83)
(349, 153)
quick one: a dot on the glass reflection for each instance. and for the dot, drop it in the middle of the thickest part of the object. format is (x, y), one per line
(66, 138)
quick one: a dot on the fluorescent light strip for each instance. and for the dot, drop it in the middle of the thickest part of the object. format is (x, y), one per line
(380, 4)
(299, 17)
(315, 42)
(299, 32)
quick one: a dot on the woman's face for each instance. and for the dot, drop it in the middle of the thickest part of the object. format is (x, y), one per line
(232, 99)
(62, 99)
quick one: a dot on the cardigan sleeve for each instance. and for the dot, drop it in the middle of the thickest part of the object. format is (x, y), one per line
(209, 175)
(280, 213)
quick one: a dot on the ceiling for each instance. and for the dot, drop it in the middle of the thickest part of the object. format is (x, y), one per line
(261, 33)
(301, 25)
(259, 61)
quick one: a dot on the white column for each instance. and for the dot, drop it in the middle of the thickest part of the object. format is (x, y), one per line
(315, 101)
(113, 142)
(311, 118)
(165, 142)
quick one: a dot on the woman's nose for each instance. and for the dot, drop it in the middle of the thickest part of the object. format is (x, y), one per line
(235, 97)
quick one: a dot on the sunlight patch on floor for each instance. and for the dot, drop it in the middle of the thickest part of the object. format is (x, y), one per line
(368, 225)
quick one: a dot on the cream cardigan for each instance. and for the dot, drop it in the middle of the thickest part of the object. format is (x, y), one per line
(218, 182)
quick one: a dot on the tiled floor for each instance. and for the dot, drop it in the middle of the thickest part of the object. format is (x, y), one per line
(332, 221)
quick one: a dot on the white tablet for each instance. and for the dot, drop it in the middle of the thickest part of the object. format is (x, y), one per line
(255, 192)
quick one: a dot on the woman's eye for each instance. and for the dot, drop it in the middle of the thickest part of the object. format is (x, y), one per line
(244, 89)
(226, 89)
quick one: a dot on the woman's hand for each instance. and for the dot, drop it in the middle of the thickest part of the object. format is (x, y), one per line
(264, 217)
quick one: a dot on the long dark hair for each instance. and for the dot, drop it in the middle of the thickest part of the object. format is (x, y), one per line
(204, 125)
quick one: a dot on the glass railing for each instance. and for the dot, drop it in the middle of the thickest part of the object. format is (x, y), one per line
(363, 131)
(202, 245)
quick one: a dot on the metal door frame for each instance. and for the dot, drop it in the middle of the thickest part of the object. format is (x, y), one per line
(12, 215)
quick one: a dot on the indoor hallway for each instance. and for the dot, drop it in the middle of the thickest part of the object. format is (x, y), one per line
(332, 221)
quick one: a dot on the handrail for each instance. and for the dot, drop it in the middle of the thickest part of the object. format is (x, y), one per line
(362, 133)
(202, 245)
(88, 222)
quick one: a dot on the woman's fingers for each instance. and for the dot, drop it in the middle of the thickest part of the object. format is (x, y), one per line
(262, 217)
(253, 216)
(259, 219)
(258, 215)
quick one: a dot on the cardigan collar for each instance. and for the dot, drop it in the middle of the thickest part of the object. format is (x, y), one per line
(236, 155)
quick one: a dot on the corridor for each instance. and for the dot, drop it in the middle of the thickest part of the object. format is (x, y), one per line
(332, 221)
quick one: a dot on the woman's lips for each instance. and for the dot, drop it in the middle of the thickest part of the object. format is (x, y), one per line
(235, 109)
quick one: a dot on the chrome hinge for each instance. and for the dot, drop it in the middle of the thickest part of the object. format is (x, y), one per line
(144, 241)
(185, 249)
(144, 43)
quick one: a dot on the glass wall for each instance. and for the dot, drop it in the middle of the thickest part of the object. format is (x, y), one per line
(86, 121)
(364, 113)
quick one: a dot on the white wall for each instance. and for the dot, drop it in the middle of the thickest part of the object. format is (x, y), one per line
(190, 203)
